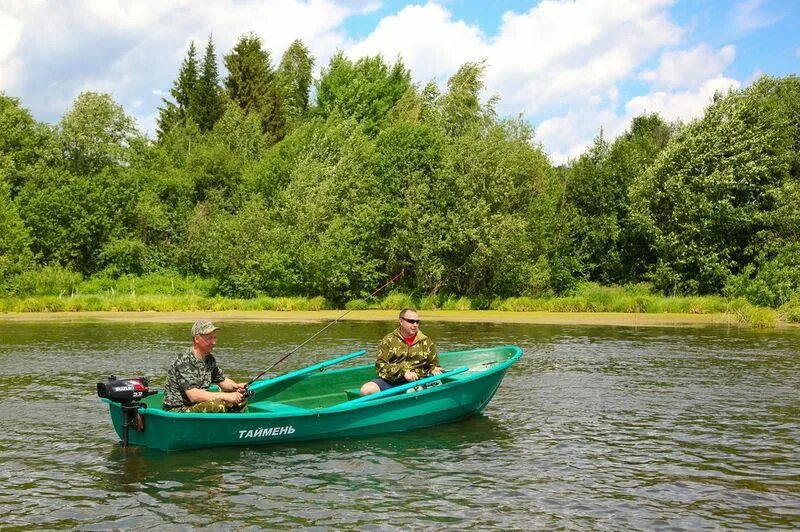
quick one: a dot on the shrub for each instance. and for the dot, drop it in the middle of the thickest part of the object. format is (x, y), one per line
(47, 281)
(792, 309)
(429, 302)
(356, 304)
(397, 300)
(451, 303)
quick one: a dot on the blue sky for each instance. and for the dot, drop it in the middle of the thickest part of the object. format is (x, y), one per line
(568, 67)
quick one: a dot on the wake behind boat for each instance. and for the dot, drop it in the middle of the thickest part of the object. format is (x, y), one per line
(310, 404)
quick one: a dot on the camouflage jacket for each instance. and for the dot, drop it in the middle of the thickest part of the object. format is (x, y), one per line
(395, 357)
(189, 372)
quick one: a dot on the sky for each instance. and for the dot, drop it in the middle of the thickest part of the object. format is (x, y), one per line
(568, 67)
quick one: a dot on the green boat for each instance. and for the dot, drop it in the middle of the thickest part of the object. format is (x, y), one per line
(310, 404)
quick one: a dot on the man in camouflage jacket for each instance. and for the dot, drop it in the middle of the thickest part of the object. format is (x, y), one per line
(404, 355)
(194, 371)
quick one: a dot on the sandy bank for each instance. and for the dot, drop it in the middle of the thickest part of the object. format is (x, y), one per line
(475, 316)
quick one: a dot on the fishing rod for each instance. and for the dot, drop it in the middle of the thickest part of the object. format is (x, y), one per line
(290, 353)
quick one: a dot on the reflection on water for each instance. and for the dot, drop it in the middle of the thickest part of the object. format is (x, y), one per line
(594, 428)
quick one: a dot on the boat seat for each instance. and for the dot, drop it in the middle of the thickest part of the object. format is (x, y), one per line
(281, 408)
(353, 393)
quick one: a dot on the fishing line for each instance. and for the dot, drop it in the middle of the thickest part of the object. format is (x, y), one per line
(290, 353)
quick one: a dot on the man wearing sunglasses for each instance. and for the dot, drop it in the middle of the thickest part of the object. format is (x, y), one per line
(404, 355)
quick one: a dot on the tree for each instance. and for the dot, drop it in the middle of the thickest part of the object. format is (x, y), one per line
(95, 133)
(294, 79)
(209, 100)
(15, 253)
(22, 141)
(460, 108)
(706, 202)
(240, 133)
(184, 92)
(366, 90)
(608, 245)
(252, 85)
(71, 219)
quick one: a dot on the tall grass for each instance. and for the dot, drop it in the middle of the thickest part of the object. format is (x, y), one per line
(791, 309)
(165, 292)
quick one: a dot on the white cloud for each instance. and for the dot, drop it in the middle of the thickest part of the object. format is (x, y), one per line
(565, 52)
(10, 33)
(556, 53)
(683, 105)
(565, 65)
(51, 51)
(687, 68)
(569, 135)
(567, 56)
(749, 15)
(439, 45)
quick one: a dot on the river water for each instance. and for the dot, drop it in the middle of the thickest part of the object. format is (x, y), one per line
(595, 428)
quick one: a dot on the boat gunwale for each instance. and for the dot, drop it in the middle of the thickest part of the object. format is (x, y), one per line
(341, 408)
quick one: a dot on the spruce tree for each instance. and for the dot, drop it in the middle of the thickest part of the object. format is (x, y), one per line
(184, 92)
(251, 83)
(209, 100)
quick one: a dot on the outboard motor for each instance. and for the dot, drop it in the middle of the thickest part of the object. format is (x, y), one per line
(128, 393)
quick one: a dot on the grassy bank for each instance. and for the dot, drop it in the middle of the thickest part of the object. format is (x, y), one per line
(589, 300)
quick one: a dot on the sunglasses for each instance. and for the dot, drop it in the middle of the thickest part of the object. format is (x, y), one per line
(415, 322)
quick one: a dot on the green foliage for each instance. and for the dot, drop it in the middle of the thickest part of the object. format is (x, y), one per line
(15, 253)
(274, 170)
(209, 100)
(453, 303)
(429, 302)
(198, 98)
(72, 218)
(315, 236)
(252, 85)
(612, 250)
(240, 133)
(397, 301)
(356, 304)
(768, 282)
(494, 186)
(460, 110)
(332, 214)
(251, 193)
(366, 90)
(747, 314)
(791, 309)
(241, 251)
(95, 134)
(22, 141)
(164, 283)
(706, 201)
(124, 256)
(294, 79)
(49, 280)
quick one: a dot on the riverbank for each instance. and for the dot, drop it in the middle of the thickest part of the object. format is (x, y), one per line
(470, 316)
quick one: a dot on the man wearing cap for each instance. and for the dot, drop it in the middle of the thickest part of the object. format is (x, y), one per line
(194, 371)
(405, 355)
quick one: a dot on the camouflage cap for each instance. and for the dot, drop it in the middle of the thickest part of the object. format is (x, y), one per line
(203, 327)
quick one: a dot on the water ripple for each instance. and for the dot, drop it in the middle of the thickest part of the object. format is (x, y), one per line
(596, 428)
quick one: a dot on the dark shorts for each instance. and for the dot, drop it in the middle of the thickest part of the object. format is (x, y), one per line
(385, 385)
